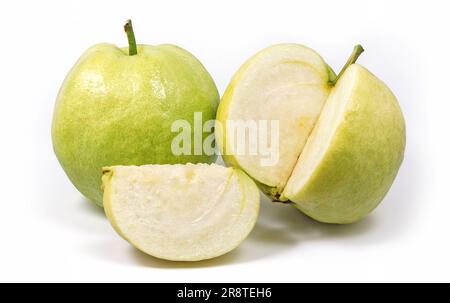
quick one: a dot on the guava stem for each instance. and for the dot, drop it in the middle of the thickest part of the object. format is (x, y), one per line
(357, 51)
(132, 47)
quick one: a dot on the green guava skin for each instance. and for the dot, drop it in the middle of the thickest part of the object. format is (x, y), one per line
(363, 158)
(116, 109)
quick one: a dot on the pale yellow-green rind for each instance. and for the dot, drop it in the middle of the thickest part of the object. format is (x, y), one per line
(115, 109)
(250, 198)
(363, 158)
(108, 187)
(222, 113)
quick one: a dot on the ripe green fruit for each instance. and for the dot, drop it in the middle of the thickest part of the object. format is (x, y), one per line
(346, 165)
(181, 212)
(117, 105)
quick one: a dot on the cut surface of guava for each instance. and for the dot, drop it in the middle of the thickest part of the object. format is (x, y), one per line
(285, 83)
(181, 212)
(330, 118)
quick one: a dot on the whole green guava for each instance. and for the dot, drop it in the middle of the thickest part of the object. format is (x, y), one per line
(117, 106)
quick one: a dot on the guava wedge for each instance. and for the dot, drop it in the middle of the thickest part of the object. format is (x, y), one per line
(181, 212)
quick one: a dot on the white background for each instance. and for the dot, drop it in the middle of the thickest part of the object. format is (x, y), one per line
(48, 232)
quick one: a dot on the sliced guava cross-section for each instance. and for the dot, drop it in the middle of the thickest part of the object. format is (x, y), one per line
(181, 212)
(287, 83)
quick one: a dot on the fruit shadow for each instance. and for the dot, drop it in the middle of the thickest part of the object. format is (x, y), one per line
(142, 259)
(282, 228)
